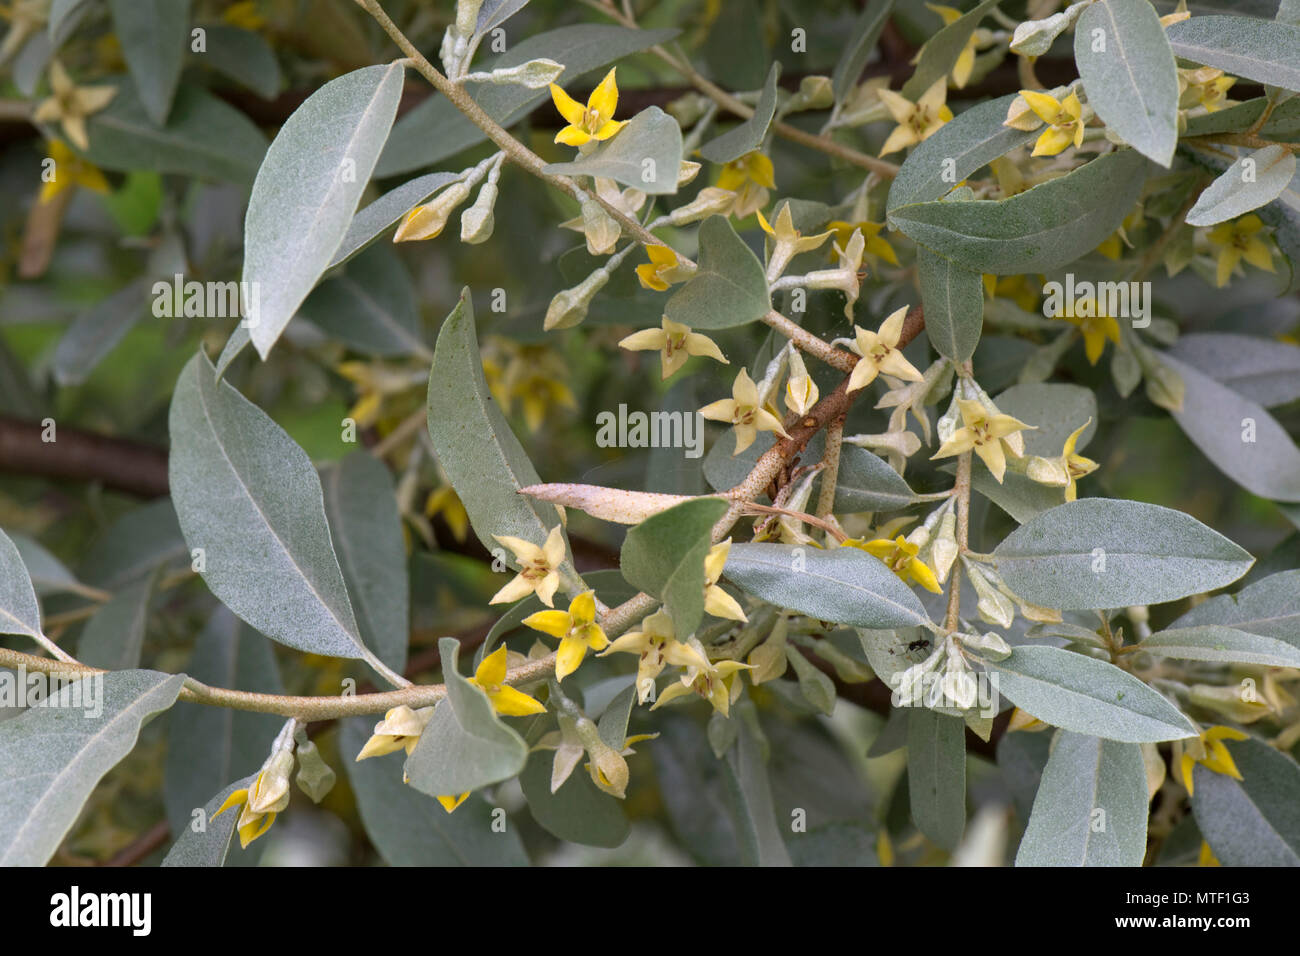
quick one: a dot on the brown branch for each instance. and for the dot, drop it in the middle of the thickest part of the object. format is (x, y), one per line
(122, 464)
(141, 846)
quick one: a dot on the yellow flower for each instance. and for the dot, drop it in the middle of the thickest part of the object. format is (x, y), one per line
(576, 628)
(71, 170)
(875, 245)
(800, 390)
(490, 676)
(428, 221)
(675, 343)
(70, 105)
(900, 557)
(375, 382)
(656, 643)
(596, 120)
(1020, 720)
(1239, 239)
(743, 412)
(1206, 857)
(717, 601)
(1065, 470)
(716, 683)
(399, 730)
(989, 436)
(916, 121)
(1021, 290)
(1204, 86)
(244, 15)
(535, 377)
(961, 70)
(789, 240)
(1097, 326)
(880, 353)
(663, 269)
(446, 502)
(749, 177)
(1064, 119)
(1112, 247)
(538, 568)
(1210, 752)
(268, 796)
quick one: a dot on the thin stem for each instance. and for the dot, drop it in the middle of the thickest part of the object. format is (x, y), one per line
(962, 492)
(831, 474)
(812, 344)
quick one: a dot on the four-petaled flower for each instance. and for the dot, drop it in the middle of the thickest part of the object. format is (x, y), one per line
(1237, 240)
(744, 413)
(595, 121)
(900, 557)
(70, 105)
(675, 343)
(880, 354)
(399, 730)
(656, 643)
(1064, 119)
(576, 628)
(717, 601)
(663, 269)
(716, 683)
(267, 796)
(1204, 86)
(875, 244)
(789, 241)
(490, 676)
(989, 436)
(749, 177)
(1210, 752)
(916, 121)
(70, 170)
(538, 568)
(1065, 470)
(1096, 324)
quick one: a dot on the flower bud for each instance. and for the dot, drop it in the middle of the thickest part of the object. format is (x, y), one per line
(800, 390)
(477, 222)
(1230, 702)
(569, 307)
(269, 792)
(600, 228)
(428, 221)
(533, 75)
(943, 552)
(994, 607)
(710, 201)
(989, 645)
(315, 777)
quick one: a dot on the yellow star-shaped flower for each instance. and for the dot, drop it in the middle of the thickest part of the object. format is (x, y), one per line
(743, 412)
(1210, 752)
(267, 796)
(989, 436)
(490, 676)
(749, 177)
(1204, 86)
(875, 244)
(900, 557)
(538, 568)
(70, 170)
(71, 105)
(1236, 240)
(880, 353)
(1064, 119)
(576, 628)
(664, 268)
(916, 121)
(716, 683)
(1096, 325)
(595, 121)
(657, 645)
(1065, 470)
(399, 730)
(675, 343)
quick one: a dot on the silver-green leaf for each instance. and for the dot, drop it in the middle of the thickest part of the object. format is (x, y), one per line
(645, 155)
(729, 288)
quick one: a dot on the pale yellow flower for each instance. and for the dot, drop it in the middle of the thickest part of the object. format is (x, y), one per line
(595, 121)
(538, 568)
(576, 629)
(71, 105)
(989, 436)
(743, 412)
(675, 343)
(880, 353)
(917, 121)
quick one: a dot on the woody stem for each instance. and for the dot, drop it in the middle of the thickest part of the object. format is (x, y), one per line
(962, 493)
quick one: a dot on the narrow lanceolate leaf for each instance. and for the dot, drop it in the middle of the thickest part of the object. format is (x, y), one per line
(49, 574)
(844, 585)
(155, 35)
(1263, 370)
(209, 746)
(371, 306)
(664, 556)
(1270, 607)
(114, 636)
(1091, 807)
(1243, 440)
(64, 746)
(1039, 230)
(936, 775)
(1254, 821)
(646, 155)
(1129, 74)
(308, 188)
(410, 828)
(1247, 184)
(1087, 696)
(729, 288)
(749, 135)
(862, 42)
(749, 793)
(209, 845)
(1103, 553)
(249, 500)
(954, 305)
(19, 612)
(1260, 50)
(481, 455)
(607, 504)
(972, 139)
(361, 505)
(465, 745)
(95, 332)
(1214, 642)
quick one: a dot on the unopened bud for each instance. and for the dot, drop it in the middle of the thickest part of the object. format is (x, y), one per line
(569, 307)
(428, 221)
